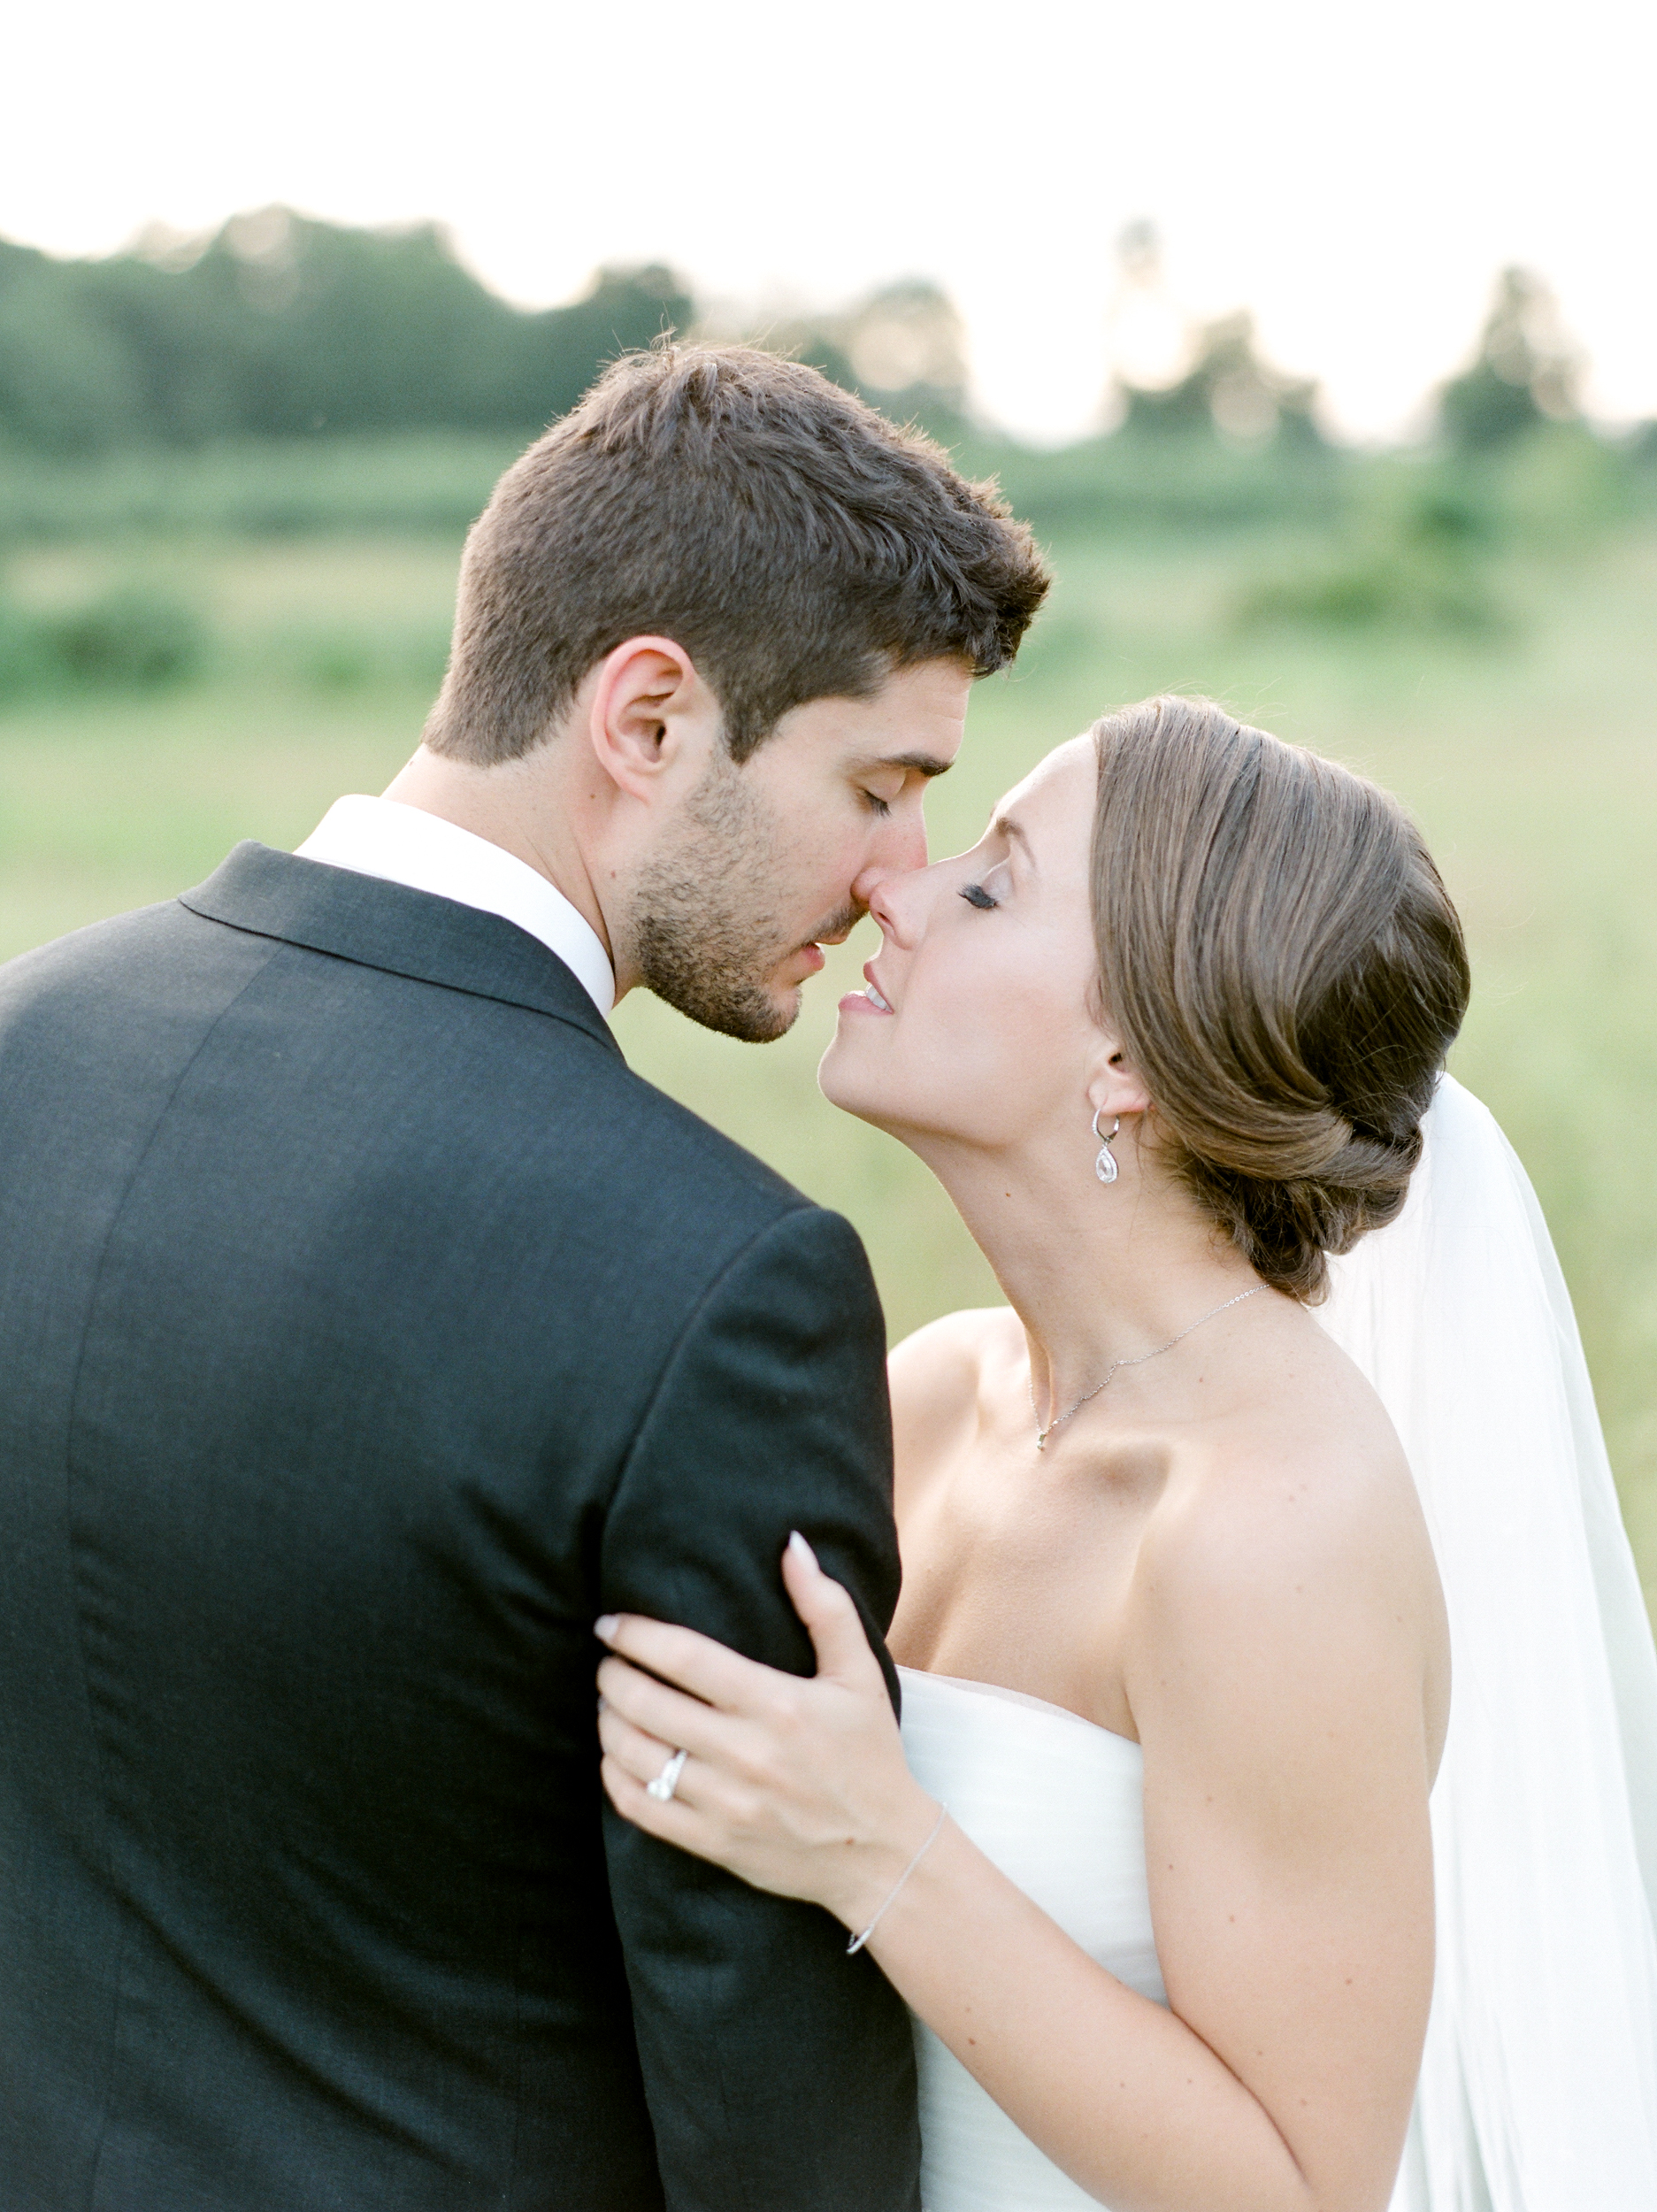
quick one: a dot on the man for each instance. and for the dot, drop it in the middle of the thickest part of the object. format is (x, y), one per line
(366, 1329)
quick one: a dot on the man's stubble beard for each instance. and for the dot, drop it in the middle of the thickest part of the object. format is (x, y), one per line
(706, 931)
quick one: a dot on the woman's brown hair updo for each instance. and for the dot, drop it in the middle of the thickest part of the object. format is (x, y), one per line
(1284, 968)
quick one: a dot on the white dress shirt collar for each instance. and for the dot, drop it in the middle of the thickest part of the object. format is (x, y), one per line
(405, 844)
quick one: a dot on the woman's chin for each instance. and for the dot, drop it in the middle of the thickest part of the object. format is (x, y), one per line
(847, 1080)
(859, 1075)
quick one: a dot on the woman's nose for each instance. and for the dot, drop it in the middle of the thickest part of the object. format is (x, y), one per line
(896, 898)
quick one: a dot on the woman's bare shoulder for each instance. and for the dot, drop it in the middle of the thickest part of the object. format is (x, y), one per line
(1306, 1462)
(937, 1376)
(1295, 1525)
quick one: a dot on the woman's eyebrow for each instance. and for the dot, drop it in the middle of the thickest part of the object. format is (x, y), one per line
(1005, 827)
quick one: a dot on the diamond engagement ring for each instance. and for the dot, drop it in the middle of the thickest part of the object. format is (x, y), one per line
(667, 1781)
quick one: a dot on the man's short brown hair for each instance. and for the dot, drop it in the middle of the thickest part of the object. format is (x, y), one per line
(795, 544)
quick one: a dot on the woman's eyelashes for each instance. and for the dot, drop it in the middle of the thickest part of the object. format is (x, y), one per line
(981, 894)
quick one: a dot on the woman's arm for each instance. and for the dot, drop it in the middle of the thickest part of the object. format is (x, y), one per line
(1285, 1788)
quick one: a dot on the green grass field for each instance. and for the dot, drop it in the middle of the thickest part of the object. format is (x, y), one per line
(1526, 751)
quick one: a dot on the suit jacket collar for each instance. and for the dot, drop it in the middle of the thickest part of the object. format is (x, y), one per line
(382, 925)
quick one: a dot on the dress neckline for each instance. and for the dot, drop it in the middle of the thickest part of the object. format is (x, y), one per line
(1019, 1697)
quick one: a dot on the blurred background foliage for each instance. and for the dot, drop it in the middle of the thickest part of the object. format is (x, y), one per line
(234, 476)
(280, 326)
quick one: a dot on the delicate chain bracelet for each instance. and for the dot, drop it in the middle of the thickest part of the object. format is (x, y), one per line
(858, 1941)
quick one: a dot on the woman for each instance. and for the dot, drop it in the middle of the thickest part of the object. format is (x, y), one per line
(1175, 1654)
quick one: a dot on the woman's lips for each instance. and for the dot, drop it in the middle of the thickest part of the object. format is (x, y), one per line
(869, 1000)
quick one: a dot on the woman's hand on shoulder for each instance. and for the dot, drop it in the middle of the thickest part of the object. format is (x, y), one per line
(798, 1785)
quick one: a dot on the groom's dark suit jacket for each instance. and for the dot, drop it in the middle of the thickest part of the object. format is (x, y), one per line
(365, 1329)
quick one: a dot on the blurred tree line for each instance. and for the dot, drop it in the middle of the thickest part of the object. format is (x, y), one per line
(281, 326)
(286, 375)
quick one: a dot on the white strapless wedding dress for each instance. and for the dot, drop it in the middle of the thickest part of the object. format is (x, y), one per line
(1538, 2087)
(1059, 1806)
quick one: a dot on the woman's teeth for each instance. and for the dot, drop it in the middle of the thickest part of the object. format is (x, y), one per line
(875, 999)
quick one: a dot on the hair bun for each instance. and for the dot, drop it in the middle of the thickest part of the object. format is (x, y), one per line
(1284, 969)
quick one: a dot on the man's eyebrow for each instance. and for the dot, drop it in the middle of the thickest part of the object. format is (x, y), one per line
(922, 764)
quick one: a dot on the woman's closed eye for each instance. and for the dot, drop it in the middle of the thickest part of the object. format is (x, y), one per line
(991, 889)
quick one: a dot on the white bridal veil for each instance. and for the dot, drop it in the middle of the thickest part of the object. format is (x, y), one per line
(1538, 2089)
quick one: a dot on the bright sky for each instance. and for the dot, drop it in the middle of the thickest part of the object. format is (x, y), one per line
(1354, 173)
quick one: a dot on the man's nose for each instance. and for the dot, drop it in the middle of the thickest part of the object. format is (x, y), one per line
(899, 851)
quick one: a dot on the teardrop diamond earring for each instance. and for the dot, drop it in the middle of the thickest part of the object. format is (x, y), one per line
(1105, 1167)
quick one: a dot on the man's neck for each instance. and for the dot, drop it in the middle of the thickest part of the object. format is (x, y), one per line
(513, 805)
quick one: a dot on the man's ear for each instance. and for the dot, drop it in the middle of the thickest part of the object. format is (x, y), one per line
(649, 713)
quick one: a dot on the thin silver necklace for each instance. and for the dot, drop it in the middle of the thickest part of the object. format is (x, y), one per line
(1138, 1360)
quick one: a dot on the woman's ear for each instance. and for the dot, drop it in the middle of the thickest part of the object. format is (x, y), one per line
(1113, 1085)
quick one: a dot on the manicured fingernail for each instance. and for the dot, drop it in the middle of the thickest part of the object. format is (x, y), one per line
(801, 1550)
(605, 1626)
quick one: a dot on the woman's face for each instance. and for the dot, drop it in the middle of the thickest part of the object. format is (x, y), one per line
(976, 1024)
